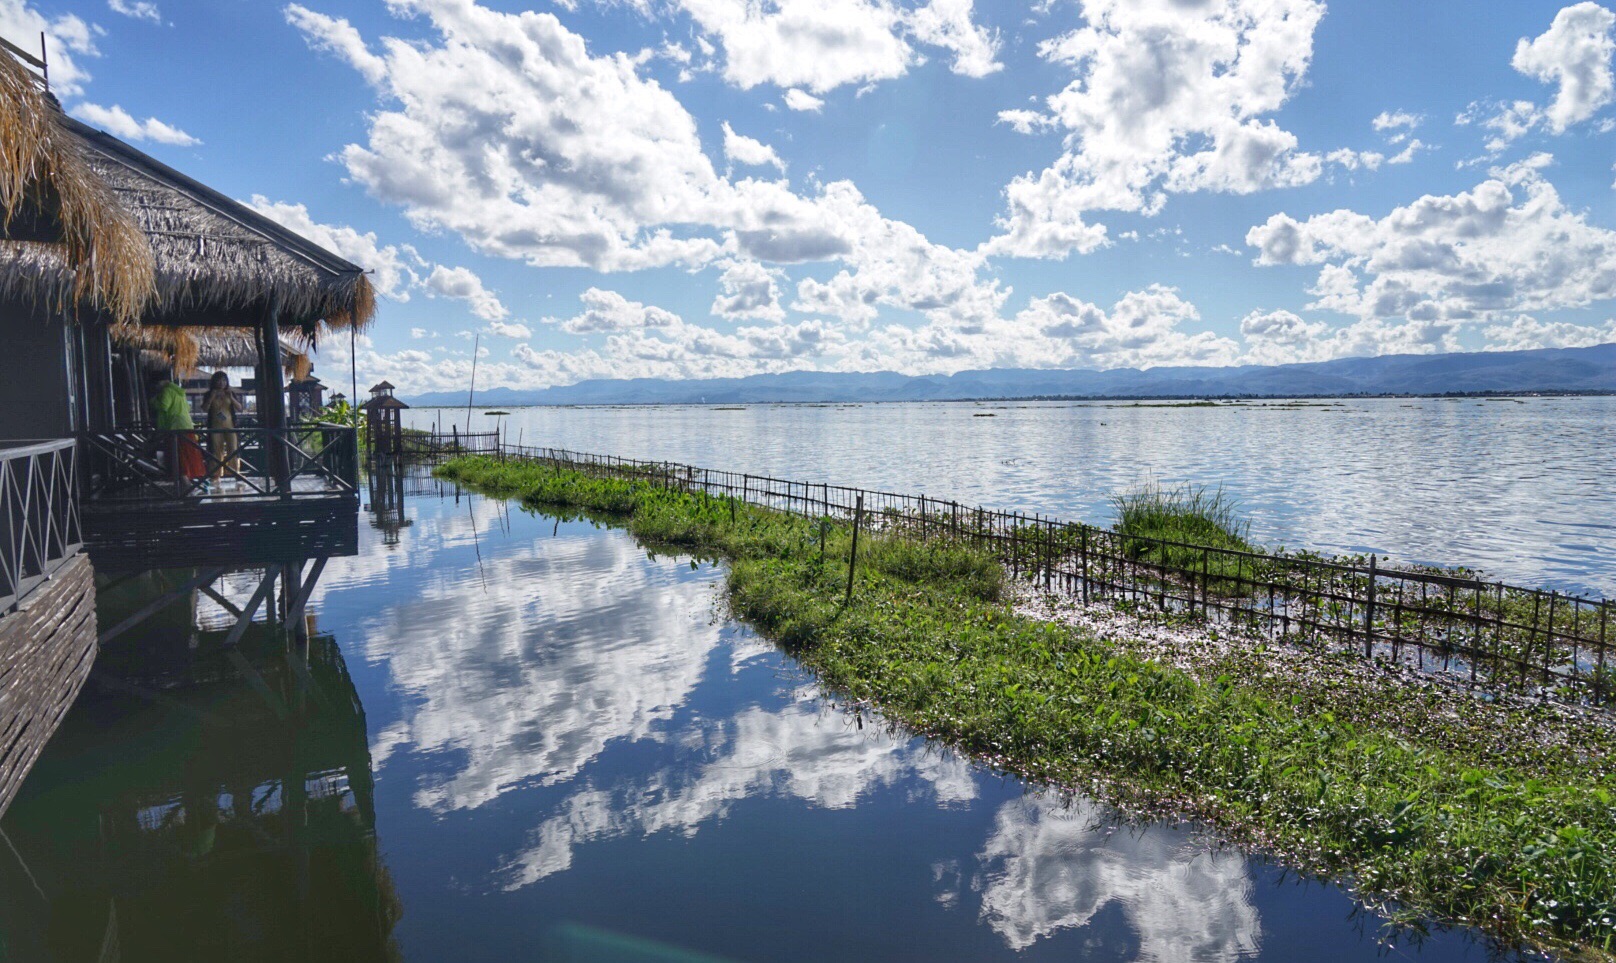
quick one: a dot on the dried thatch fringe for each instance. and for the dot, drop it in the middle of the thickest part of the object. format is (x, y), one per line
(144, 241)
(106, 260)
(191, 349)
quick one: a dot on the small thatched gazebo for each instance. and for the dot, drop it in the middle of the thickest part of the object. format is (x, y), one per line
(306, 395)
(384, 420)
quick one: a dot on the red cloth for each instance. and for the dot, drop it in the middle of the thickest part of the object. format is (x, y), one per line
(191, 461)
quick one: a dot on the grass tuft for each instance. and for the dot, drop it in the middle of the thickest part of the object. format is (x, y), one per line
(1192, 514)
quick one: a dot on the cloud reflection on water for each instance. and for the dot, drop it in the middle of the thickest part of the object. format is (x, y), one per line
(797, 752)
(567, 644)
(1046, 869)
(521, 658)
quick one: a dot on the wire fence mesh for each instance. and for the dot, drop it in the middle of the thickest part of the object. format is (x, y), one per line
(1495, 635)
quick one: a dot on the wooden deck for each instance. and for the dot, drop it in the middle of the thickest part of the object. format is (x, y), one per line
(129, 536)
(290, 494)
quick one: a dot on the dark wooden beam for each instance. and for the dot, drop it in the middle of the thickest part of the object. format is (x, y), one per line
(160, 603)
(272, 395)
(265, 586)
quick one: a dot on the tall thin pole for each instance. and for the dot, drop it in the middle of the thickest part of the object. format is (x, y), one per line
(472, 391)
(353, 376)
(852, 555)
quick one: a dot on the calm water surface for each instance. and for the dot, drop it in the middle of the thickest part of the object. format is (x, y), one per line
(521, 738)
(1521, 488)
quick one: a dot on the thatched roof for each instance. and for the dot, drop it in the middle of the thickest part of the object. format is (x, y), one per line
(191, 349)
(220, 262)
(216, 261)
(236, 348)
(55, 208)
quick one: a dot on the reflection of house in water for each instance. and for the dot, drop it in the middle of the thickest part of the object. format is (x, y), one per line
(203, 800)
(111, 264)
(387, 491)
(391, 483)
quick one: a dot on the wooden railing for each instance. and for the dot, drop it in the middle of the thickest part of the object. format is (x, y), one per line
(147, 464)
(39, 515)
(435, 444)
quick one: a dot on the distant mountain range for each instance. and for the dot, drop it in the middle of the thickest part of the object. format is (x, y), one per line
(1548, 370)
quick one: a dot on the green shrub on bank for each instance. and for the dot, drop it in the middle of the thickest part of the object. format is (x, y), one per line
(1523, 854)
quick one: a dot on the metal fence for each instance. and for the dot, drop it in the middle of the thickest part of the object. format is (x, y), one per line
(39, 515)
(1502, 636)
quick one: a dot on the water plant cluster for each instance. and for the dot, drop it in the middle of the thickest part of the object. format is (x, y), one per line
(1192, 514)
(1456, 827)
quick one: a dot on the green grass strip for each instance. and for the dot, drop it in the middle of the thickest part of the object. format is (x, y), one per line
(928, 638)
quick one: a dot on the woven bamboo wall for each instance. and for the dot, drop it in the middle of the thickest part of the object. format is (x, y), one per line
(46, 650)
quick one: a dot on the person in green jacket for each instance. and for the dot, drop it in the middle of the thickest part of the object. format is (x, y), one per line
(171, 410)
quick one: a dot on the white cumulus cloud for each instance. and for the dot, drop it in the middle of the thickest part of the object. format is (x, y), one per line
(802, 100)
(819, 45)
(749, 290)
(463, 284)
(1575, 55)
(752, 153)
(1168, 97)
(138, 9)
(69, 41)
(1510, 244)
(120, 123)
(610, 311)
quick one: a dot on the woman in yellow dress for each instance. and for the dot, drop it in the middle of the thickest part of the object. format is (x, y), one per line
(221, 405)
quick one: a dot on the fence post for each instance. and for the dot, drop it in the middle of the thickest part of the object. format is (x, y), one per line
(1049, 555)
(852, 555)
(1084, 554)
(1369, 613)
(1599, 673)
(1206, 595)
(1548, 639)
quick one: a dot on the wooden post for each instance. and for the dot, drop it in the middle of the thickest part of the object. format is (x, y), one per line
(1369, 613)
(1599, 673)
(1049, 554)
(272, 400)
(1548, 640)
(1083, 548)
(852, 556)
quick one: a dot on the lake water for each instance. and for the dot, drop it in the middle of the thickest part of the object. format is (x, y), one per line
(520, 738)
(1524, 489)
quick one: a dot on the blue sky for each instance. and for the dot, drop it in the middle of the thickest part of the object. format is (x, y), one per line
(697, 188)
